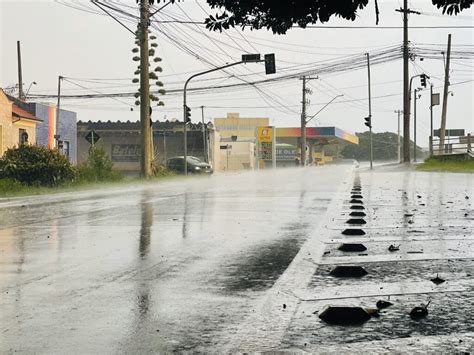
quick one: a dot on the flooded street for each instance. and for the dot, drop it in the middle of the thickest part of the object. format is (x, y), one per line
(167, 266)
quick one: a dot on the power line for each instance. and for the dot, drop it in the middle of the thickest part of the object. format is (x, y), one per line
(184, 22)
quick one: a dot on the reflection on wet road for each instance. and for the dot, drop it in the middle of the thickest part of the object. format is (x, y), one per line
(166, 266)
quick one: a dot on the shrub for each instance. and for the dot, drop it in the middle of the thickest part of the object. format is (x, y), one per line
(98, 167)
(159, 170)
(36, 165)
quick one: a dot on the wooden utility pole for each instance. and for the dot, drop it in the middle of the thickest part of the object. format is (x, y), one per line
(406, 79)
(442, 130)
(304, 121)
(146, 157)
(20, 76)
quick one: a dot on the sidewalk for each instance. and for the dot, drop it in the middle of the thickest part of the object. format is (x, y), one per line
(430, 218)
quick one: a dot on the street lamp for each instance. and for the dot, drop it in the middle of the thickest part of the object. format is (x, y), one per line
(29, 87)
(246, 58)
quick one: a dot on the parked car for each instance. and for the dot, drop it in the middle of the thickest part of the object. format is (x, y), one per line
(195, 165)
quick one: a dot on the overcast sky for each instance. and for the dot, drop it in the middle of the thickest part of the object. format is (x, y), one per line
(94, 51)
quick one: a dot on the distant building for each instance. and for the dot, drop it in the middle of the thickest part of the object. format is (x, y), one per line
(45, 130)
(121, 141)
(67, 129)
(17, 125)
(241, 127)
(237, 154)
(238, 137)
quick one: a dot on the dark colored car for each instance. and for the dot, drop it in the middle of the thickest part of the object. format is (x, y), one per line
(195, 165)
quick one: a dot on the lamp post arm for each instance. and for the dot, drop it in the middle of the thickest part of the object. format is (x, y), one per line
(207, 72)
(185, 106)
(323, 107)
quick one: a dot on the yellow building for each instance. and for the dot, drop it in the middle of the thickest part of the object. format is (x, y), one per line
(234, 125)
(17, 126)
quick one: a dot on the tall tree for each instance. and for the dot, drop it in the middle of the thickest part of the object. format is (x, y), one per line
(281, 15)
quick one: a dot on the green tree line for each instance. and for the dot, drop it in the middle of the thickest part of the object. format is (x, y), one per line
(384, 147)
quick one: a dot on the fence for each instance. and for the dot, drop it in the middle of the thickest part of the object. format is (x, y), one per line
(453, 145)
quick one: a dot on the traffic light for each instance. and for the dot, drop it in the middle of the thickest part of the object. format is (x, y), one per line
(270, 64)
(188, 114)
(368, 121)
(423, 78)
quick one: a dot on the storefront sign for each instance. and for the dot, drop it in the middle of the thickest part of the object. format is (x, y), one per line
(126, 152)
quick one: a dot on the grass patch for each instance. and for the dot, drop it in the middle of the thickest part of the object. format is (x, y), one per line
(12, 188)
(436, 164)
(32, 170)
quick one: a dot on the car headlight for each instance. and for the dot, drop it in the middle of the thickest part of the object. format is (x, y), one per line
(197, 168)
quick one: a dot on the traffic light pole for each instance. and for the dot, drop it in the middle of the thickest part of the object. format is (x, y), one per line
(246, 58)
(414, 124)
(185, 108)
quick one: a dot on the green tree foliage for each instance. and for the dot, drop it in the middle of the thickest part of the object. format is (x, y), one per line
(384, 147)
(281, 15)
(36, 165)
(98, 167)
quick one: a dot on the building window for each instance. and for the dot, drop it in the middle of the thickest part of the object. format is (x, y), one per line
(23, 136)
(63, 147)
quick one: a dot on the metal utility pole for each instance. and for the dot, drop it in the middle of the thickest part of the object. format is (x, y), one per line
(370, 111)
(414, 123)
(431, 120)
(20, 76)
(206, 158)
(442, 130)
(146, 158)
(58, 110)
(406, 91)
(398, 112)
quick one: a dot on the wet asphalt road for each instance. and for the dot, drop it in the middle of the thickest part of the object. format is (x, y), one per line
(430, 217)
(160, 267)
